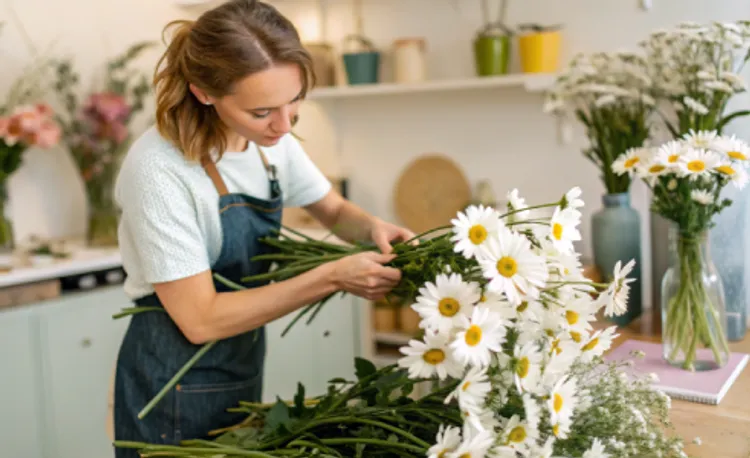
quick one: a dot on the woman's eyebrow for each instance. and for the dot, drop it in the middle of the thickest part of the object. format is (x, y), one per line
(271, 108)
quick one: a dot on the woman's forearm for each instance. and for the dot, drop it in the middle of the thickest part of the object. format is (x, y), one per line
(235, 312)
(352, 224)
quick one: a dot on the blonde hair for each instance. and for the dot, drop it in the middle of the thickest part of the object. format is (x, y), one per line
(220, 48)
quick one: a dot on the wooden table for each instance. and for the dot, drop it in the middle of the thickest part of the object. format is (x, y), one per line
(724, 429)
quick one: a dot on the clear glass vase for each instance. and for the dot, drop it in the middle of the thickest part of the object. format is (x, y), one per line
(103, 215)
(693, 305)
(6, 228)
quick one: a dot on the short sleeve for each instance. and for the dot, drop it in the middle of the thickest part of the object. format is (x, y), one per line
(159, 213)
(306, 184)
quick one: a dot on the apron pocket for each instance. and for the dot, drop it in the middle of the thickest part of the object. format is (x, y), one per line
(201, 408)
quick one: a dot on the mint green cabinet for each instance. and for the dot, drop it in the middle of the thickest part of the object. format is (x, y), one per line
(20, 430)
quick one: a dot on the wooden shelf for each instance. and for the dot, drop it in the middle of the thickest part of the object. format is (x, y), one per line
(393, 338)
(529, 82)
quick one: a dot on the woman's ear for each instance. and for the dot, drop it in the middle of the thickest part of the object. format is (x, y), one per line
(201, 95)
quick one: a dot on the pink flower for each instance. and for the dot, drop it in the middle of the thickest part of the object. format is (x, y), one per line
(48, 135)
(32, 125)
(4, 121)
(108, 106)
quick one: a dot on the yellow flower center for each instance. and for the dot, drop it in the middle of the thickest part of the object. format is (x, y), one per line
(442, 454)
(630, 163)
(572, 317)
(557, 403)
(657, 168)
(465, 455)
(448, 306)
(576, 336)
(465, 386)
(737, 155)
(557, 231)
(477, 234)
(522, 308)
(434, 356)
(556, 430)
(726, 170)
(673, 158)
(507, 266)
(696, 166)
(549, 332)
(483, 298)
(473, 335)
(517, 434)
(522, 369)
(591, 345)
(556, 347)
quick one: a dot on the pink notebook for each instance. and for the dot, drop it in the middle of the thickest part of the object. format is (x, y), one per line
(707, 387)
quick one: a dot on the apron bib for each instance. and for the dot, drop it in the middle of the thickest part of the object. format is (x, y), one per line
(154, 349)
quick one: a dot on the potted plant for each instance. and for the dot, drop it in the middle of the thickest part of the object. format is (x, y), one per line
(539, 48)
(492, 43)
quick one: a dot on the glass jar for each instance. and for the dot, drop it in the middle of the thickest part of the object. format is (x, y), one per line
(693, 305)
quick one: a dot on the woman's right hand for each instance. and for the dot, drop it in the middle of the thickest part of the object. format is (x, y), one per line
(364, 275)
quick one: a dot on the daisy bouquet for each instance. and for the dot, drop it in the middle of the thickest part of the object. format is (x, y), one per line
(695, 69)
(512, 349)
(610, 94)
(687, 176)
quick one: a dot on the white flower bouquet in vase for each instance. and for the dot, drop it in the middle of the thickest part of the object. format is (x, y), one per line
(686, 177)
(610, 95)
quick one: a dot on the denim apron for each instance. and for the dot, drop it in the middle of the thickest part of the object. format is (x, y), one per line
(154, 349)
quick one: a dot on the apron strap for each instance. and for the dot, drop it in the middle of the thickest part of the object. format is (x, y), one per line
(210, 167)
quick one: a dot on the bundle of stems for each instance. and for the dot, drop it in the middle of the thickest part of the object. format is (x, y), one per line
(373, 416)
(295, 253)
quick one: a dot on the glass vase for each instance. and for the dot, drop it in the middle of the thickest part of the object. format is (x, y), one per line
(102, 215)
(693, 305)
(6, 228)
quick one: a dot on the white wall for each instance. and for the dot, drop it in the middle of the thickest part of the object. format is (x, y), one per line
(500, 135)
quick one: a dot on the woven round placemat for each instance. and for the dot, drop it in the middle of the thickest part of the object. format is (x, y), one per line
(430, 191)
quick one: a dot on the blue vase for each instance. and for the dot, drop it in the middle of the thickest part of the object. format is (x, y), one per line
(730, 251)
(616, 236)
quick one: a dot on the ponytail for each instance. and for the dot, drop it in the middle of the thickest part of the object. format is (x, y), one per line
(181, 118)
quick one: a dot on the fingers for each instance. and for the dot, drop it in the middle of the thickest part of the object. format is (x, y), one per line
(382, 242)
(380, 258)
(390, 273)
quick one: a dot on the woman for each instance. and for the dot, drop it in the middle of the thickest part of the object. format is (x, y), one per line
(196, 193)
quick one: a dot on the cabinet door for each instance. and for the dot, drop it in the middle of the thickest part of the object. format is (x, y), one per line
(19, 382)
(311, 353)
(80, 341)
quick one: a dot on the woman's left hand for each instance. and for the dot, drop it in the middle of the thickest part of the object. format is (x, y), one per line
(383, 233)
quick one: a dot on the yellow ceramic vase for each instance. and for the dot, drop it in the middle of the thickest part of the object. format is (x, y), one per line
(540, 52)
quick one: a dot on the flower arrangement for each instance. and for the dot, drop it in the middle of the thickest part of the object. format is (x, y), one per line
(510, 344)
(686, 177)
(611, 95)
(98, 131)
(695, 69)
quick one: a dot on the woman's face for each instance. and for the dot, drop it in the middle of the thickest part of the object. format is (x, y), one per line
(261, 106)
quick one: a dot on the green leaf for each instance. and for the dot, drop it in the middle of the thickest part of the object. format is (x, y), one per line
(364, 368)
(299, 400)
(278, 417)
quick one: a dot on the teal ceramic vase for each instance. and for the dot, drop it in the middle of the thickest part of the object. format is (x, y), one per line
(362, 67)
(616, 236)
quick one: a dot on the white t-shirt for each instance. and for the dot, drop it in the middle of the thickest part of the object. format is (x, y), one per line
(170, 227)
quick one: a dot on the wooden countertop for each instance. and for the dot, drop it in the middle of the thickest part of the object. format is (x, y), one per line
(724, 429)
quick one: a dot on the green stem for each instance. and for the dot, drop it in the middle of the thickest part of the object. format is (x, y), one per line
(176, 378)
(377, 442)
(133, 310)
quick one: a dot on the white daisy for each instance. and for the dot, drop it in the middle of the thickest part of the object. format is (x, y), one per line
(734, 148)
(597, 450)
(512, 267)
(563, 230)
(545, 451)
(561, 429)
(701, 196)
(473, 390)
(701, 139)
(736, 174)
(474, 446)
(479, 337)
(652, 169)
(515, 203)
(579, 313)
(698, 163)
(669, 154)
(598, 343)
(572, 199)
(562, 401)
(615, 298)
(447, 440)
(528, 367)
(433, 356)
(478, 420)
(473, 228)
(628, 161)
(442, 304)
(518, 434)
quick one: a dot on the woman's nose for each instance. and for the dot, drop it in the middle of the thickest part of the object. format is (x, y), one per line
(282, 122)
